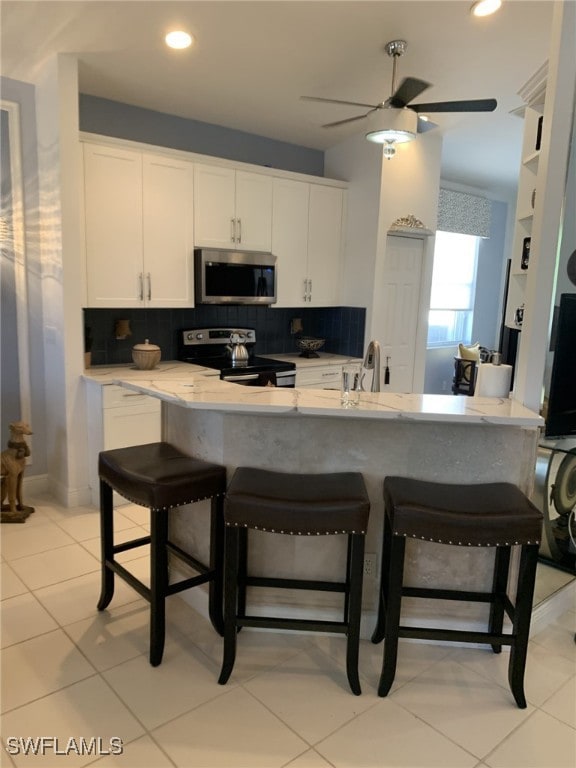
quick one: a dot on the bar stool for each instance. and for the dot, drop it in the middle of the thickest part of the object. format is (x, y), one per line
(494, 515)
(294, 505)
(161, 477)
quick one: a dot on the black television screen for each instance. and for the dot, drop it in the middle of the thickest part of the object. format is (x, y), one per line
(561, 415)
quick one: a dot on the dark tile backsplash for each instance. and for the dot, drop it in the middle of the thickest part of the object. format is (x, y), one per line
(342, 327)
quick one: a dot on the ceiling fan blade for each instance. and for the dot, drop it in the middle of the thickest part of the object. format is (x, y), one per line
(425, 125)
(338, 101)
(347, 120)
(474, 105)
(409, 88)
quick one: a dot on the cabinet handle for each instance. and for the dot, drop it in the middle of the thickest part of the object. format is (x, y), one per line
(141, 281)
(239, 238)
(233, 230)
(149, 281)
(305, 294)
(309, 290)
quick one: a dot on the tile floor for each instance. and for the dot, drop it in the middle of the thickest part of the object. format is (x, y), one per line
(70, 672)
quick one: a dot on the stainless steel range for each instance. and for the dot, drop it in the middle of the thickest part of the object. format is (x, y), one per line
(231, 351)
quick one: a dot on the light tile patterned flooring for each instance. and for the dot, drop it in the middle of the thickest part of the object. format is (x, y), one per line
(69, 671)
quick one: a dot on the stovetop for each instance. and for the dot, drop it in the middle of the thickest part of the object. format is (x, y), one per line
(254, 364)
(209, 347)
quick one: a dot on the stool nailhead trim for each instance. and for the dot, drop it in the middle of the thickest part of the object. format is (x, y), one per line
(163, 509)
(294, 533)
(459, 543)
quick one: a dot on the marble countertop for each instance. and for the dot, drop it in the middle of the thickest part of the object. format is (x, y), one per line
(171, 369)
(199, 391)
(324, 358)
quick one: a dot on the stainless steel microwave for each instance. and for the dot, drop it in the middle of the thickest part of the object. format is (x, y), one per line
(234, 277)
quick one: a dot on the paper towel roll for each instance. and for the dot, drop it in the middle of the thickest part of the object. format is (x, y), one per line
(493, 380)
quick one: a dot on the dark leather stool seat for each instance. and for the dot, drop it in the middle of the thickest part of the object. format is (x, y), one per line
(294, 505)
(494, 515)
(161, 477)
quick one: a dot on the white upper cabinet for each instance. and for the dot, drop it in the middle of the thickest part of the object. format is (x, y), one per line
(138, 229)
(290, 241)
(232, 209)
(307, 239)
(325, 245)
(168, 232)
(113, 226)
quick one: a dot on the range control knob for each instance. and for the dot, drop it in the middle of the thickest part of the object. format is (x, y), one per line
(199, 336)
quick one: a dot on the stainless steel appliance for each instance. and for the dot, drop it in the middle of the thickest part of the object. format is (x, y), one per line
(231, 351)
(234, 277)
(372, 363)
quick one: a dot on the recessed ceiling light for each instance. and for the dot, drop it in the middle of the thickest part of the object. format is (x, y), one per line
(178, 39)
(485, 7)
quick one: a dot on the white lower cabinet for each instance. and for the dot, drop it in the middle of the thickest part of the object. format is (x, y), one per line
(118, 418)
(319, 377)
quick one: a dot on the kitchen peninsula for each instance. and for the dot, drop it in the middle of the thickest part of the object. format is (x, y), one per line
(434, 437)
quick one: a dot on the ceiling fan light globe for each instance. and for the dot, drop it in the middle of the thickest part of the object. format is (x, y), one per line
(390, 136)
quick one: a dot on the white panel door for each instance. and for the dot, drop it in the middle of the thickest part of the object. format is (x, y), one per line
(290, 240)
(253, 211)
(113, 221)
(214, 206)
(399, 301)
(168, 232)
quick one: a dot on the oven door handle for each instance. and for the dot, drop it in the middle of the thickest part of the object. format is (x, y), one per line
(245, 377)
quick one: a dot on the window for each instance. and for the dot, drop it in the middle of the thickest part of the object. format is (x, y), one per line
(453, 289)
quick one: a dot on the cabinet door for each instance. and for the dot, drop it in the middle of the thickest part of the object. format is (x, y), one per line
(253, 211)
(319, 377)
(168, 232)
(113, 226)
(214, 206)
(290, 240)
(325, 244)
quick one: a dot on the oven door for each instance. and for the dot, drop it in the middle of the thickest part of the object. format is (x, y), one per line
(263, 379)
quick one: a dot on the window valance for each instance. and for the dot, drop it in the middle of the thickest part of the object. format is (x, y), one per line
(463, 213)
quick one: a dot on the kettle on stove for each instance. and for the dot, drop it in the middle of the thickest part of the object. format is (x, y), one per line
(237, 349)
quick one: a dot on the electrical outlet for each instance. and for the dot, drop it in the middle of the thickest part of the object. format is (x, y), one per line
(370, 566)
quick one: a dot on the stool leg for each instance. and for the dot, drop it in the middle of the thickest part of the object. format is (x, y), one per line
(499, 592)
(158, 583)
(393, 605)
(521, 622)
(215, 587)
(380, 629)
(242, 571)
(353, 608)
(230, 602)
(106, 544)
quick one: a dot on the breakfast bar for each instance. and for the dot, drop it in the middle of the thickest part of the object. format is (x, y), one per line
(444, 438)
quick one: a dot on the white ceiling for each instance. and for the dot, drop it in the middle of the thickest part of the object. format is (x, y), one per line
(252, 61)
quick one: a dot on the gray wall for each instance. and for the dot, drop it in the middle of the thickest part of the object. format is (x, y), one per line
(23, 94)
(112, 118)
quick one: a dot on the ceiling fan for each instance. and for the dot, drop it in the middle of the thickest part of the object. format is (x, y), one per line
(395, 120)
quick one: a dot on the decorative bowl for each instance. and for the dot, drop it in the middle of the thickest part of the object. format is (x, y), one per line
(146, 356)
(309, 345)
